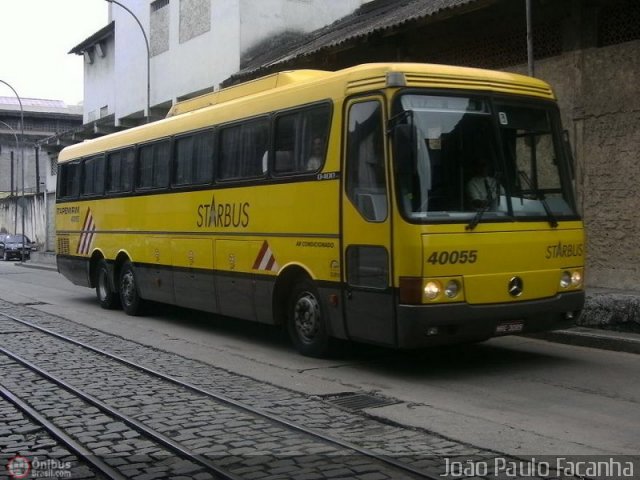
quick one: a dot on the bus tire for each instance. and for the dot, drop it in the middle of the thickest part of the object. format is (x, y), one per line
(108, 297)
(130, 299)
(307, 321)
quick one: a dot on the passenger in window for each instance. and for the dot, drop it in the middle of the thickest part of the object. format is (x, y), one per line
(483, 190)
(315, 160)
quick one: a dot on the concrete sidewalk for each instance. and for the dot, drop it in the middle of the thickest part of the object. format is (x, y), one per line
(610, 321)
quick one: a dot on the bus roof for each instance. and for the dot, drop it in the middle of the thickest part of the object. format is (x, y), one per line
(353, 80)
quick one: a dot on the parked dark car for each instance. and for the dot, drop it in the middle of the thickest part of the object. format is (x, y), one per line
(12, 246)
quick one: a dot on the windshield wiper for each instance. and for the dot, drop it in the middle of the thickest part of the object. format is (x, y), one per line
(477, 217)
(540, 196)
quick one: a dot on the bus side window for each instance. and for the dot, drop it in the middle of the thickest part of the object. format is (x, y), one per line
(365, 178)
(285, 140)
(193, 159)
(93, 176)
(153, 165)
(315, 133)
(301, 140)
(242, 150)
(114, 172)
(69, 180)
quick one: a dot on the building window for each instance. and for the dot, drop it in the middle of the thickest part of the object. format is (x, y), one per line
(195, 18)
(159, 27)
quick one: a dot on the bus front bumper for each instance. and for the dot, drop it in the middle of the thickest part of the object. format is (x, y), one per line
(426, 325)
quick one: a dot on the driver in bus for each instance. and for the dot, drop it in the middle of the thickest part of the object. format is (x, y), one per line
(483, 190)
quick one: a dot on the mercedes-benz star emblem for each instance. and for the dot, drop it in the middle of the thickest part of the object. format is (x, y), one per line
(516, 286)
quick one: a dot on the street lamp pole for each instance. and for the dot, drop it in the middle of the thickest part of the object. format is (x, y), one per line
(21, 158)
(530, 63)
(146, 42)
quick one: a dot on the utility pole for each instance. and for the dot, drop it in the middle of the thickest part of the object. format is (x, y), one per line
(531, 68)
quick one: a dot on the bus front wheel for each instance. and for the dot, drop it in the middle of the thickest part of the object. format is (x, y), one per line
(306, 320)
(132, 304)
(107, 295)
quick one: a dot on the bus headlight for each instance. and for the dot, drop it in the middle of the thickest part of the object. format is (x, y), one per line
(432, 290)
(576, 278)
(571, 279)
(452, 289)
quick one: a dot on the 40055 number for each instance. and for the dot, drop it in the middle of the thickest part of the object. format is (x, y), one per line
(453, 257)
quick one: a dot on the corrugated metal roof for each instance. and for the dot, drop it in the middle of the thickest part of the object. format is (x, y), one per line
(373, 17)
(39, 105)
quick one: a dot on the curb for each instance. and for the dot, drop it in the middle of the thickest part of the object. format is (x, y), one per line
(37, 266)
(593, 338)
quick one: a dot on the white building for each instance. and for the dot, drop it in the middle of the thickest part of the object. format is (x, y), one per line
(194, 45)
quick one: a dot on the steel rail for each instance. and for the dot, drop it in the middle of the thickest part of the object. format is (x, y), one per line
(75, 447)
(234, 403)
(131, 422)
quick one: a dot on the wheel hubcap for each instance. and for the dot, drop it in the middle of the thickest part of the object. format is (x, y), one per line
(307, 317)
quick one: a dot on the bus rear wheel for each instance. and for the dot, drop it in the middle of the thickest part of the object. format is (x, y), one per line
(107, 295)
(306, 321)
(132, 304)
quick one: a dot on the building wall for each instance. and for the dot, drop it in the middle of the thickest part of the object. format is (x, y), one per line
(269, 19)
(198, 58)
(195, 45)
(609, 146)
(130, 66)
(32, 210)
(100, 83)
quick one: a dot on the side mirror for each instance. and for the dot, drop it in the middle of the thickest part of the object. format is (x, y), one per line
(405, 149)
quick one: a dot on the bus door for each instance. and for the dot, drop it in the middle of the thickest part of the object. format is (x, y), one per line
(366, 225)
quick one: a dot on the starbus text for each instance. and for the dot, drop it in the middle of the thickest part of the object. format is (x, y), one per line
(223, 214)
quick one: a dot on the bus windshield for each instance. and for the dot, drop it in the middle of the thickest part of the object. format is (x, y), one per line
(473, 154)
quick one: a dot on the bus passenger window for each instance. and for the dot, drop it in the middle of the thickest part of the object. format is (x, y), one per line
(145, 167)
(315, 133)
(183, 166)
(126, 169)
(203, 157)
(93, 176)
(114, 166)
(285, 140)
(69, 180)
(301, 140)
(365, 178)
(194, 159)
(242, 149)
(120, 170)
(153, 165)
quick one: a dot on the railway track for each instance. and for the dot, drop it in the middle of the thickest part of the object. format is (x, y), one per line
(332, 457)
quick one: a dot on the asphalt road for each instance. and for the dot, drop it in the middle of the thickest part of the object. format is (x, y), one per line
(514, 395)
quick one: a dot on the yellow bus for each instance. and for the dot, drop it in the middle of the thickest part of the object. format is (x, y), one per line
(397, 204)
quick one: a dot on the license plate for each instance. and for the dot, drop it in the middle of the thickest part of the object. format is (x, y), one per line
(507, 328)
